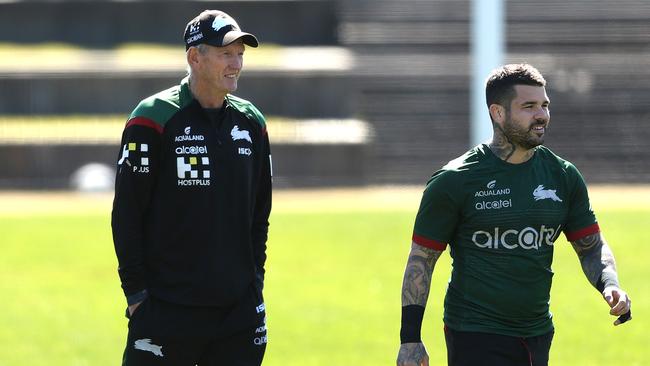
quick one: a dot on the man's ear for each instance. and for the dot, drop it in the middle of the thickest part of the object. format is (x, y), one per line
(497, 113)
(192, 56)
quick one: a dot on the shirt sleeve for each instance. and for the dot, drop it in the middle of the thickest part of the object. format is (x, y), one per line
(262, 212)
(137, 168)
(581, 220)
(439, 212)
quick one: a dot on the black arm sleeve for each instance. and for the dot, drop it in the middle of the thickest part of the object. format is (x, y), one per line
(137, 166)
(262, 211)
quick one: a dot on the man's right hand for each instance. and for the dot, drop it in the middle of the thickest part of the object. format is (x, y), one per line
(412, 354)
(133, 307)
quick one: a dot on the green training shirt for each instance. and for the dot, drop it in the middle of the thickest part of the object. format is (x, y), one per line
(500, 221)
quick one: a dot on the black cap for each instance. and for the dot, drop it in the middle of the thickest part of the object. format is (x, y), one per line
(215, 28)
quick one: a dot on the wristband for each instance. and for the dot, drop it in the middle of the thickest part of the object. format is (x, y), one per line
(411, 324)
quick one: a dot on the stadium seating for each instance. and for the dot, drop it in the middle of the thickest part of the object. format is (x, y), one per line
(400, 67)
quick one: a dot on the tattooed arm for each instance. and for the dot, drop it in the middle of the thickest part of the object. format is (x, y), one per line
(417, 276)
(599, 266)
(415, 291)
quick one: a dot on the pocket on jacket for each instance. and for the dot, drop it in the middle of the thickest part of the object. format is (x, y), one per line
(137, 310)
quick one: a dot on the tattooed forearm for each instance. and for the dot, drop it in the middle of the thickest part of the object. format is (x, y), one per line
(417, 276)
(597, 260)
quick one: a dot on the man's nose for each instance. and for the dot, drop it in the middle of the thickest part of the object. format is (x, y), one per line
(237, 63)
(542, 114)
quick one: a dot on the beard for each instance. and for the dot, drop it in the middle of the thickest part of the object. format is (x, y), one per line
(522, 136)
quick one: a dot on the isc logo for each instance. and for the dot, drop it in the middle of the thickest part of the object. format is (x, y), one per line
(245, 151)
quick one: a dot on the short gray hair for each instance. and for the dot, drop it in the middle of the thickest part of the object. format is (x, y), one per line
(202, 50)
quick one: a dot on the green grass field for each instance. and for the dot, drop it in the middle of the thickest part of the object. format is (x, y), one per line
(332, 291)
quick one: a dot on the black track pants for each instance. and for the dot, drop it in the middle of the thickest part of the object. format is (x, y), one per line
(162, 333)
(483, 349)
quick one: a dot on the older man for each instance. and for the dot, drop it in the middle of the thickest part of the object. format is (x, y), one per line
(191, 208)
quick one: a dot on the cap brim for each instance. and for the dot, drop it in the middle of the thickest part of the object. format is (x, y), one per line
(232, 36)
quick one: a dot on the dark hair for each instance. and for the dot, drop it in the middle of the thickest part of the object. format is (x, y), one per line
(499, 87)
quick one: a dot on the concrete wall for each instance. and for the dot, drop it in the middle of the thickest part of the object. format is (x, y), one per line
(315, 94)
(106, 23)
(52, 166)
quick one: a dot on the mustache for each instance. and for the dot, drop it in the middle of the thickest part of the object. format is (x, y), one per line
(542, 123)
